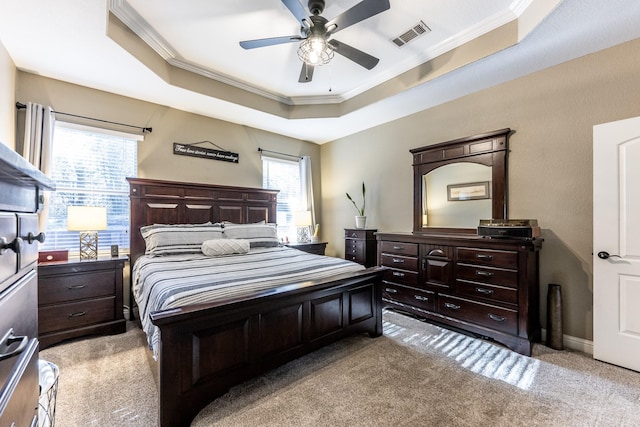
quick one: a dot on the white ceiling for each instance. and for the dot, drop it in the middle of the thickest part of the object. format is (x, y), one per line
(67, 40)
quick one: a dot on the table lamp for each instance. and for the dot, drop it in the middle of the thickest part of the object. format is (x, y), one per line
(87, 220)
(302, 220)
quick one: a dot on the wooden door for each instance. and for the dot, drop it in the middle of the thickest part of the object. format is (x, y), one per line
(616, 243)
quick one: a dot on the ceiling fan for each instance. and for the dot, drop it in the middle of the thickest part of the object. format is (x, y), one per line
(316, 45)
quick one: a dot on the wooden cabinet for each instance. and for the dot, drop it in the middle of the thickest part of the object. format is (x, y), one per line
(360, 246)
(21, 187)
(488, 287)
(77, 298)
(317, 248)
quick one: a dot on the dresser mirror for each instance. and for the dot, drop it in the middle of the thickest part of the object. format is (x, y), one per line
(459, 182)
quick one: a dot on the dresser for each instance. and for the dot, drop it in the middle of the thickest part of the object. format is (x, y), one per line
(488, 287)
(78, 298)
(21, 196)
(360, 246)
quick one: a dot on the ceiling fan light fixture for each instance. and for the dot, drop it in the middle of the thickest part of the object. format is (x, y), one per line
(315, 51)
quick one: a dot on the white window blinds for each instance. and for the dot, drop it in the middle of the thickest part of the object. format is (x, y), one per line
(283, 175)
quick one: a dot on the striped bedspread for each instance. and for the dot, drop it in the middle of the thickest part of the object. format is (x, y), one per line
(165, 282)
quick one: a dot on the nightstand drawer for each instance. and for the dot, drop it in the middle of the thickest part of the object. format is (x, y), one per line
(77, 314)
(54, 289)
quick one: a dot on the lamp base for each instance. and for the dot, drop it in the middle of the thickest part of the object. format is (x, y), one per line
(303, 235)
(88, 245)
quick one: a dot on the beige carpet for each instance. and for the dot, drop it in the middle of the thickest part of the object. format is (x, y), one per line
(415, 375)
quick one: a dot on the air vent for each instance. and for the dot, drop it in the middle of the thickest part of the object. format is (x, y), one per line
(411, 34)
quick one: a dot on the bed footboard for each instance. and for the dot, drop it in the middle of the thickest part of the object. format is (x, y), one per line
(207, 349)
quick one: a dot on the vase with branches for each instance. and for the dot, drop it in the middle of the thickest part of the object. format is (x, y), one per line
(360, 218)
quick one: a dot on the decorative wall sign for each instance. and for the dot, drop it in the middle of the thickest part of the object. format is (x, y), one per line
(205, 153)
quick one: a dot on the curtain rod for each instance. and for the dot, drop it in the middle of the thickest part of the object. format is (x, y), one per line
(277, 152)
(21, 106)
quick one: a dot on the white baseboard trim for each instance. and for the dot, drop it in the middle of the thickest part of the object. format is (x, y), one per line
(573, 343)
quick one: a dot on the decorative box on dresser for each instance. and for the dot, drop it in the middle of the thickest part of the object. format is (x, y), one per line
(21, 196)
(485, 286)
(360, 246)
(78, 298)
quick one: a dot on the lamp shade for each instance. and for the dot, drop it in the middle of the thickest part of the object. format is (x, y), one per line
(302, 218)
(86, 218)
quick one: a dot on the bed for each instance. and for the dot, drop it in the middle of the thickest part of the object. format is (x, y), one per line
(204, 348)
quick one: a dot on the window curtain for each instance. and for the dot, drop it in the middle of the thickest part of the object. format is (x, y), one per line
(306, 184)
(39, 123)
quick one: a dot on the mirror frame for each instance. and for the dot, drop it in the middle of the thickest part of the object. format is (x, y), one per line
(490, 149)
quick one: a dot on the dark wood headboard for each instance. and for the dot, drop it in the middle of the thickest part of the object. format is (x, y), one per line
(167, 202)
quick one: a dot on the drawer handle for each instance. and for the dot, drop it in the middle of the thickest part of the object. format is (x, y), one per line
(78, 314)
(483, 256)
(421, 298)
(398, 260)
(398, 248)
(484, 291)
(354, 234)
(497, 318)
(35, 237)
(484, 273)
(15, 246)
(451, 306)
(436, 252)
(77, 287)
(10, 339)
(398, 274)
(391, 290)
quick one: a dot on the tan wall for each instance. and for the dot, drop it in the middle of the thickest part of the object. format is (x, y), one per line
(155, 154)
(550, 165)
(7, 103)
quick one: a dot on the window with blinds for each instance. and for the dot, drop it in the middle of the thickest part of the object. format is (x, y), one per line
(89, 167)
(283, 175)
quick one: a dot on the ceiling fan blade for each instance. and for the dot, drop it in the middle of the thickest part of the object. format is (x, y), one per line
(361, 11)
(252, 44)
(306, 74)
(298, 11)
(359, 57)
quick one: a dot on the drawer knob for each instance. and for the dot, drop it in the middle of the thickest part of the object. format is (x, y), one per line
(451, 306)
(484, 256)
(10, 339)
(35, 237)
(484, 273)
(497, 318)
(484, 291)
(421, 298)
(78, 314)
(15, 246)
(391, 290)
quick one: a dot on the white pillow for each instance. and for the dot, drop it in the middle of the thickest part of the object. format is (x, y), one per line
(218, 247)
(170, 239)
(258, 234)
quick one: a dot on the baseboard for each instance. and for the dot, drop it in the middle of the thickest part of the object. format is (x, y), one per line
(573, 343)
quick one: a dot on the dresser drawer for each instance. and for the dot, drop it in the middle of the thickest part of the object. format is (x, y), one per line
(491, 316)
(74, 315)
(401, 276)
(496, 276)
(399, 261)
(400, 248)
(424, 300)
(488, 292)
(8, 258)
(493, 258)
(22, 403)
(55, 289)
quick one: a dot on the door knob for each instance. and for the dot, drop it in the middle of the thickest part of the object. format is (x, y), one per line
(605, 255)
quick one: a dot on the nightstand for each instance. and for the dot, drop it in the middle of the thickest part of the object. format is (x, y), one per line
(78, 298)
(312, 248)
(360, 246)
